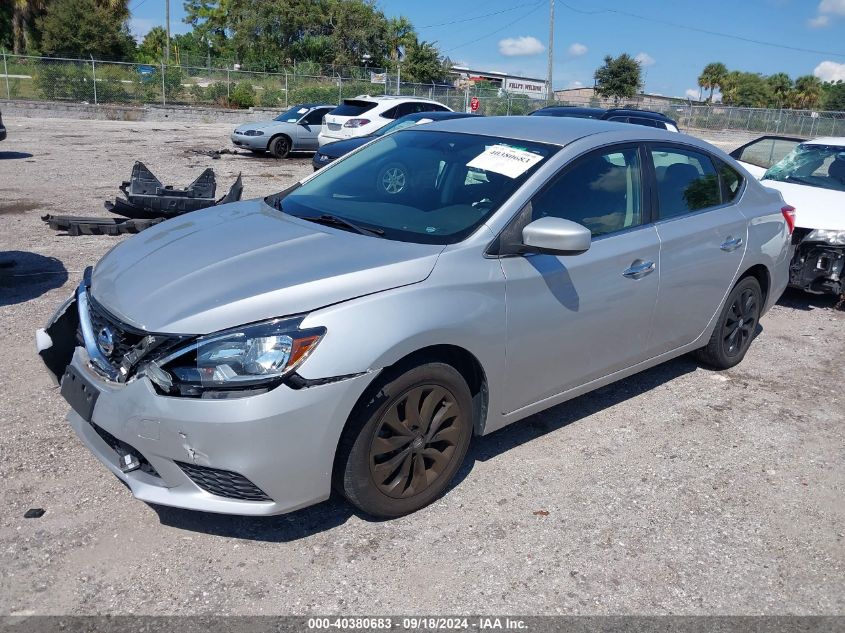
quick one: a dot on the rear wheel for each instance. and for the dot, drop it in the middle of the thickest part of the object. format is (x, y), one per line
(404, 446)
(736, 327)
(280, 147)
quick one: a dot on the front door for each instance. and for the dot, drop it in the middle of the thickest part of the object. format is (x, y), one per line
(572, 319)
(309, 128)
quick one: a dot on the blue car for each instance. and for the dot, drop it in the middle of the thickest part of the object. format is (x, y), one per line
(333, 151)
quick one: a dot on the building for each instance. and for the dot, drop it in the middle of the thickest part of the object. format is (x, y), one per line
(643, 101)
(466, 77)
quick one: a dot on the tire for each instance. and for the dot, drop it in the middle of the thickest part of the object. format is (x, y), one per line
(403, 446)
(279, 147)
(736, 327)
(393, 179)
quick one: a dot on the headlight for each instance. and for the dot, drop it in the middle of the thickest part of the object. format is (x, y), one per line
(252, 133)
(835, 238)
(252, 357)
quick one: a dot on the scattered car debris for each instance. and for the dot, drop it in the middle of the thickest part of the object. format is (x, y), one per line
(213, 153)
(147, 202)
(541, 513)
(34, 513)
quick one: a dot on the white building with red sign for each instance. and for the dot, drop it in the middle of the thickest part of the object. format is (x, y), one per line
(511, 84)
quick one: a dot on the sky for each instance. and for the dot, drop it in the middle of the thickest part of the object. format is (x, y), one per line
(798, 37)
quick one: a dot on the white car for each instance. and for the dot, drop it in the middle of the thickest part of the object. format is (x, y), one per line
(811, 177)
(364, 115)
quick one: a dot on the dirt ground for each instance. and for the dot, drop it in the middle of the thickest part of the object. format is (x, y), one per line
(680, 490)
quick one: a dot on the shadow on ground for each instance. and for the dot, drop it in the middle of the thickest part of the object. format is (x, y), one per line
(14, 155)
(25, 276)
(336, 511)
(800, 300)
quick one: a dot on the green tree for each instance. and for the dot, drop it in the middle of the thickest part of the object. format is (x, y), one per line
(834, 96)
(23, 24)
(423, 63)
(712, 77)
(746, 90)
(808, 92)
(151, 49)
(400, 35)
(79, 28)
(780, 84)
(619, 78)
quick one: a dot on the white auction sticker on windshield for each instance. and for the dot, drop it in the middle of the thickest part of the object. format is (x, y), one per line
(302, 110)
(509, 161)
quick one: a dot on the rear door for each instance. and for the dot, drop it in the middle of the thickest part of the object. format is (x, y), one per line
(703, 238)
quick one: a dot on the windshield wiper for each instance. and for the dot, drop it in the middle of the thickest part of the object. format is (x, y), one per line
(333, 220)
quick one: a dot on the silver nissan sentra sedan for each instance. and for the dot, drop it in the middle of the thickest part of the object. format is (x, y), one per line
(358, 328)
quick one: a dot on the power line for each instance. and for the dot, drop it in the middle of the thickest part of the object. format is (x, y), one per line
(477, 17)
(699, 30)
(537, 5)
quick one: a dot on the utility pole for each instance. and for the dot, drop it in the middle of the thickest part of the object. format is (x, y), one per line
(550, 93)
(167, 22)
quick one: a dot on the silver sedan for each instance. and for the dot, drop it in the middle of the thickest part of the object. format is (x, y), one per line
(293, 131)
(358, 329)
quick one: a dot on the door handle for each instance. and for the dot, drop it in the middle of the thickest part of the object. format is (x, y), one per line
(731, 244)
(639, 269)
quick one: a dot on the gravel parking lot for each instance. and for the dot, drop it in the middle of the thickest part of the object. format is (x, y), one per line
(680, 490)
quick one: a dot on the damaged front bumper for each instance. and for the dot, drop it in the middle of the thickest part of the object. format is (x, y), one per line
(260, 455)
(816, 266)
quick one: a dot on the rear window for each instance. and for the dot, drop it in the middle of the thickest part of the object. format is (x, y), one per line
(353, 107)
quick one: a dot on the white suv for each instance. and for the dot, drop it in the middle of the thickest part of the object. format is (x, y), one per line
(365, 114)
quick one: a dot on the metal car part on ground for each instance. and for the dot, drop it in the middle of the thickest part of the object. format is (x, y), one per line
(147, 203)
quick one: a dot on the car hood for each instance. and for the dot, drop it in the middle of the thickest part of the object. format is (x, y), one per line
(262, 125)
(815, 208)
(237, 263)
(341, 148)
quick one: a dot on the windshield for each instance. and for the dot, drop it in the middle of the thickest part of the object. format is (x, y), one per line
(418, 186)
(820, 166)
(293, 115)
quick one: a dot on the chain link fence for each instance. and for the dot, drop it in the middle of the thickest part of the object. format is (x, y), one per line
(104, 82)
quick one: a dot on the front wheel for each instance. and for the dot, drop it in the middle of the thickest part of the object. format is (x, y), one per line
(403, 447)
(736, 326)
(280, 147)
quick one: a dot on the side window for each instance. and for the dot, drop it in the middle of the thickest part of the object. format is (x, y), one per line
(315, 117)
(641, 121)
(600, 191)
(391, 113)
(686, 181)
(731, 182)
(436, 107)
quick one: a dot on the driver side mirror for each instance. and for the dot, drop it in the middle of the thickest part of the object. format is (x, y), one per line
(556, 236)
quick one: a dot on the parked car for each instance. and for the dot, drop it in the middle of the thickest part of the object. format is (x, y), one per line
(811, 177)
(332, 151)
(293, 131)
(442, 282)
(620, 115)
(364, 115)
(2, 128)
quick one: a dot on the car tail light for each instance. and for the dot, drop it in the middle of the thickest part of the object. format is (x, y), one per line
(789, 216)
(356, 122)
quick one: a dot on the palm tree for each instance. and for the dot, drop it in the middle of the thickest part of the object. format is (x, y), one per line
(780, 85)
(808, 91)
(400, 34)
(712, 77)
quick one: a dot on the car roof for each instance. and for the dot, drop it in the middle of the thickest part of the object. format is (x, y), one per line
(573, 111)
(435, 116)
(648, 114)
(389, 98)
(543, 129)
(827, 140)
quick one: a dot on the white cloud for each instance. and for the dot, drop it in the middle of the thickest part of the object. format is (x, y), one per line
(576, 49)
(836, 7)
(524, 45)
(692, 93)
(826, 9)
(575, 84)
(645, 59)
(830, 71)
